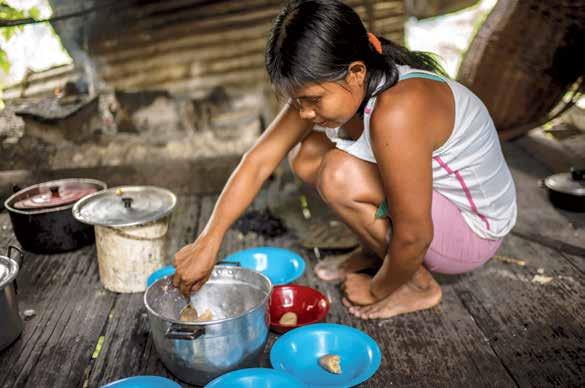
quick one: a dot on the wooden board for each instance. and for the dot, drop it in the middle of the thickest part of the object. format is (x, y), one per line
(184, 223)
(71, 311)
(535, 329)
(537, 216)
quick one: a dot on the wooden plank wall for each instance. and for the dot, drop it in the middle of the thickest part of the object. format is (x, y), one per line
(188, 46)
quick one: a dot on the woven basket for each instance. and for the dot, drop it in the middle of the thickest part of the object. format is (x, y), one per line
(527, 55)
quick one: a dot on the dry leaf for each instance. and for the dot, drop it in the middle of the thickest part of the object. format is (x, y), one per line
(541, 279)
(510, 260)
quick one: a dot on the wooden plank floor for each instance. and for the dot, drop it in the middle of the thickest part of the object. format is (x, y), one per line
(496, 327)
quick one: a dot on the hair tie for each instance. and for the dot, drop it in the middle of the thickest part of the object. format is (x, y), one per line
(374, 41)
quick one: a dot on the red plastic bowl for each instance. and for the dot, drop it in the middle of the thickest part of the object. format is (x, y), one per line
(308, 304)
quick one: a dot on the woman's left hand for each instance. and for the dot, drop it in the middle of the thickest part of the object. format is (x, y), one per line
(357, 289)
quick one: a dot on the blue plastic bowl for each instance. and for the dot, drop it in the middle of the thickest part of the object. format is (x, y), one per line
(143, 382)
(255, 378)
(298, 351)
(280, 265)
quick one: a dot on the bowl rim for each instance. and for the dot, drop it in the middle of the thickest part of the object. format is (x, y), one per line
(265, 301)
(369, 372)
(277, 325)
(271, 249)
(255, 371)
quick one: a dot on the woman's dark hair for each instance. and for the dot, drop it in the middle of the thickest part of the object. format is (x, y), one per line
(314, 41)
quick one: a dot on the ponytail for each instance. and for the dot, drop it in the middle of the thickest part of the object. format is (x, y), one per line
(400, 55)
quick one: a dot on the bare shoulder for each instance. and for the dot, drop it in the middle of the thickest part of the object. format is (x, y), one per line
(403, 106)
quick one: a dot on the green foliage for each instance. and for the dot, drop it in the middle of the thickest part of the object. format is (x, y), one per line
(34, 13)
(7, 12)
(4, 64)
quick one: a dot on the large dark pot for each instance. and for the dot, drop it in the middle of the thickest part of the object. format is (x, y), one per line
(567, 190)
(51, 229)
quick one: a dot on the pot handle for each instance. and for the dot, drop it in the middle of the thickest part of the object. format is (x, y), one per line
(19, 258)
(183, 333)
(578, 173)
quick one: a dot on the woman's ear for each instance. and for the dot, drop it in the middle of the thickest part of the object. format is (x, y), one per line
(356, 73)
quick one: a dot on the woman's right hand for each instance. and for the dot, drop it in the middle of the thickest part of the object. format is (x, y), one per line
(194, 263)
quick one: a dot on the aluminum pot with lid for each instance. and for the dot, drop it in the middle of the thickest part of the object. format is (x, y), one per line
(197, 352)
(131, 229)
(41, 215)
(10, 321)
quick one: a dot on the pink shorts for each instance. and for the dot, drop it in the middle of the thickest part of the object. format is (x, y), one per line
(455, 247)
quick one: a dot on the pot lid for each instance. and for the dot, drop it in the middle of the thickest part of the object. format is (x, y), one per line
(125, 206)
(66, 190)
(56, 193)
(8, 270)
(566, 183)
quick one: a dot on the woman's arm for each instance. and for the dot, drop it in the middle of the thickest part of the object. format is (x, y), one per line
(256, 165)
(402, 142)
(195, 261)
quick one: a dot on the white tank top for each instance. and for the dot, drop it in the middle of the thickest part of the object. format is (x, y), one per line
(469, 168)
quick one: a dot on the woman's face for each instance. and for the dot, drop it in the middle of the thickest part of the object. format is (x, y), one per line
(332, 104)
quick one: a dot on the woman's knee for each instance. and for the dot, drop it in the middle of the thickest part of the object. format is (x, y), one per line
(343, 178)
(306, 157)
(334, 177)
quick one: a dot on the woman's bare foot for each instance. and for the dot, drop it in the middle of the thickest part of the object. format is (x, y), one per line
(422, 292)
(337, 267)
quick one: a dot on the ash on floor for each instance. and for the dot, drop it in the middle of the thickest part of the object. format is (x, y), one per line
(261, 222)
